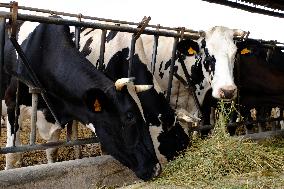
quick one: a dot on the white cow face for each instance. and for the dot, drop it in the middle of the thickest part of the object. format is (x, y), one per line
(214, 60)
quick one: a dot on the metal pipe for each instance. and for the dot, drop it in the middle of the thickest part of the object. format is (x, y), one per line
(61, 21)
(168, 97)
(7, 5)
(2, 45)
(34, 92)
(154, 55)
(69, 131)
(74, 127)
(132, 51)
(77, 149)
(102, 49)
(27, 148)
(77, 37)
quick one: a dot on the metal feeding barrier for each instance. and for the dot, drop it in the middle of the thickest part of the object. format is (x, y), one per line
(136, 28)
(79, 21)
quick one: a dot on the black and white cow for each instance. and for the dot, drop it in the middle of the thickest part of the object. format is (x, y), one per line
(210, 61)
(77, 91)
(168, 128)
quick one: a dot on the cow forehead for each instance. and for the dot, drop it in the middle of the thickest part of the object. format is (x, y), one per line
(219, 41)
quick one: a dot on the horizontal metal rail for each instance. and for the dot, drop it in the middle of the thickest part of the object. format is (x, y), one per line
(27, 148)
(61, 21)
(8, 5)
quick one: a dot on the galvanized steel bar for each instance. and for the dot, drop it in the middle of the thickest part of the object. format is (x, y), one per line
(27, 148)
(77, 149)
(2, 44)
(69, 131)
(35, 93)
(168, 97)
(61, 21)
(132, 51)
(154, 54)
(7, 5)
(77, 37)
(102, 49)
(74, 127)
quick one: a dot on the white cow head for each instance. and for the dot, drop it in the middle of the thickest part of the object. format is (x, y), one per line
(214, 60)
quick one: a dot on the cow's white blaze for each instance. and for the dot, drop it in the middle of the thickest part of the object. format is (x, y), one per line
(155, 131)
(220, 44)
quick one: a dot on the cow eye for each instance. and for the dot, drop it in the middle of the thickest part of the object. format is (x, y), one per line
(129, 115)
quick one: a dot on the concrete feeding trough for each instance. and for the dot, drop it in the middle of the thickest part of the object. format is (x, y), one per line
(94, 172)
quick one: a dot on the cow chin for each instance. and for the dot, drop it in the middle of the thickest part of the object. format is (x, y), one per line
(220, 93)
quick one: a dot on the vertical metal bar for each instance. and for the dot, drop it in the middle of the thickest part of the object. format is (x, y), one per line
(102, 49)
(77, 37)
(74, 127)
(154, 55)
(78, 153)
(168, 97)
(132, 51)
(33, 117)
(2, 45)
(69, 131)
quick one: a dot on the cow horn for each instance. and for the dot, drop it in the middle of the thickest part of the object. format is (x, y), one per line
(141, 88)
(122, 82)
(202, 33)
(239, 33)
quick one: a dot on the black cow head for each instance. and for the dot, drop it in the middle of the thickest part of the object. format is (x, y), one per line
(121, 128)
(77, 91)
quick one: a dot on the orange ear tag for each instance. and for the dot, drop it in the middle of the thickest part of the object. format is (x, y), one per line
(191, 51)
(245, 51)
(97, 106)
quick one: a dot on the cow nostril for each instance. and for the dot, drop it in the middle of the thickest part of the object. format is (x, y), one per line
(227, 93)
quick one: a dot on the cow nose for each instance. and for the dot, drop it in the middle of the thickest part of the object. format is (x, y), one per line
(227, 92)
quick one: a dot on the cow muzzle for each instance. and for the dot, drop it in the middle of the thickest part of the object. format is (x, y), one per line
(228, 92)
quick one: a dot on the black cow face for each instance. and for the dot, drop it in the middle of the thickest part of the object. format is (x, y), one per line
(117, 114)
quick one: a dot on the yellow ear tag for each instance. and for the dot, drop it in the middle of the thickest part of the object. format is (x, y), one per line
(97, 106)
(245, 51)
(191, 51)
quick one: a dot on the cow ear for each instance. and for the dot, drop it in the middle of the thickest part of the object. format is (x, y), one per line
(245, 51)
(95, 100)
(188, 47)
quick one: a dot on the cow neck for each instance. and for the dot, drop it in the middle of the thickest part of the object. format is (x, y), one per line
(189, 84)
(81, 69)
